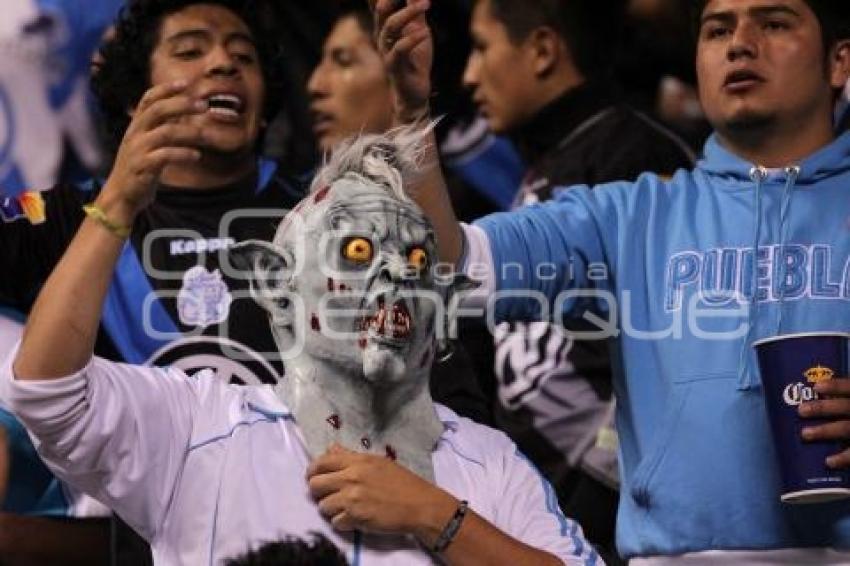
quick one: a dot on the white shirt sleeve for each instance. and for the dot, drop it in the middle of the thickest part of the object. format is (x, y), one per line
(117, 432)
(529, 509)
(477, 264)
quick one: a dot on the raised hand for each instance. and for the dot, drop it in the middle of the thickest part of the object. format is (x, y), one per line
(155, 138)
(405, 43)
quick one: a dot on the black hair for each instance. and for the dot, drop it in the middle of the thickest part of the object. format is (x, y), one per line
(123, 75)
(359, 10)
(591, 29)
(832, 15)
(293, 552)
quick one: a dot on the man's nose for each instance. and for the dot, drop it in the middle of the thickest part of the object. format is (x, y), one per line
(470, 72)
(221, 63)
(316, 85)
(744, 42)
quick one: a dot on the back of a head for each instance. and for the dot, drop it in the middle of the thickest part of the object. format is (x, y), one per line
(319, 551)
(590, 29)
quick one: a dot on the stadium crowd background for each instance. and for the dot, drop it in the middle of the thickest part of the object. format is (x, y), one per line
(50, 134)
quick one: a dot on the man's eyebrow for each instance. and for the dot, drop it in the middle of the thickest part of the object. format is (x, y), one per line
(775, 9)
(717, 17)
(203, 33)
(241, 36)
(765, 10)
(200, 33)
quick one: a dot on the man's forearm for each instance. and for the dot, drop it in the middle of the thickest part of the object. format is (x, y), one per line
(432, 196)
(479, 543)
(61, 330)
(408, 58)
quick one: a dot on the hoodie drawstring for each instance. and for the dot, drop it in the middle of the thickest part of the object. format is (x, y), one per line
(746, 380)
(746, 373)
(792, 173)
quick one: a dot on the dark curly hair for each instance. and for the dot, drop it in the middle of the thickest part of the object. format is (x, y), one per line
(293, 552)
(123, 75)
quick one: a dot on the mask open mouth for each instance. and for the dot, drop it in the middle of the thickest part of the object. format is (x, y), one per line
(391, 324)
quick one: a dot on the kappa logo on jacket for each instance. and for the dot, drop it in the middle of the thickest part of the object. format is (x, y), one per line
(200, 245)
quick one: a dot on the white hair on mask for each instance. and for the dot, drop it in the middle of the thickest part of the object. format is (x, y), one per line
(391, 160)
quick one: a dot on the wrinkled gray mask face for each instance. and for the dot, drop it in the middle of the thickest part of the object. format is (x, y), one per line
(349, 285)
(366, 284)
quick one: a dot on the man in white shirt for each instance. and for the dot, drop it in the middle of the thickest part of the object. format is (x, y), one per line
(353, 303)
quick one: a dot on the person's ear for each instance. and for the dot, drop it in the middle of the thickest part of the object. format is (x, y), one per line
(453, 289)
(839, 64)
(546, 50)
(269, 269)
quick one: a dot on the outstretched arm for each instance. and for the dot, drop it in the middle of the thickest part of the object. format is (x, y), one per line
(93, 418)
(404, 40)
(67, 312)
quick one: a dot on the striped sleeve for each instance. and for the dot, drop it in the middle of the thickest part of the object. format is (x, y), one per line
(530, 511)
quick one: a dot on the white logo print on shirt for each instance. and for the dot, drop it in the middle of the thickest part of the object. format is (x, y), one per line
(204, 298)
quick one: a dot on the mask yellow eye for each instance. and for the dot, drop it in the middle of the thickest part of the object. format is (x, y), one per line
(358, 250)
(418, 258)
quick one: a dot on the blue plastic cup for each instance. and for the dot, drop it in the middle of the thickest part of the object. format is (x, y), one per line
(790, 366)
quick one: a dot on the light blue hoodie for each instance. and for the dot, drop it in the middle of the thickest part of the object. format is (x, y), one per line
(697, 463)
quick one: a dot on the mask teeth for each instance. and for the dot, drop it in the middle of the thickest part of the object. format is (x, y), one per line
(400, 321)
(396, 323)
(381, 320)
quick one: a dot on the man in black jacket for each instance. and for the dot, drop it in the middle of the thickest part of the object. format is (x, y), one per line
(539, 72)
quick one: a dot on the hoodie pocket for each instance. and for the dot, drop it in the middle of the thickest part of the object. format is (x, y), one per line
(694, 398)
(710, 472)
(645, 470)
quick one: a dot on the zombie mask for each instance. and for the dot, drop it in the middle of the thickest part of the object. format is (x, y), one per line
(350, 286)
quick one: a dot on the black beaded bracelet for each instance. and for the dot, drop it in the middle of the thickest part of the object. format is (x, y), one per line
(451, 528)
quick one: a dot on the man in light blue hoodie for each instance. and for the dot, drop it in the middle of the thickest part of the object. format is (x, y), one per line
(687, 273)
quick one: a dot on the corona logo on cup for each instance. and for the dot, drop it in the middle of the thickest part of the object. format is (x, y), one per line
(818, 374)
(796, 393)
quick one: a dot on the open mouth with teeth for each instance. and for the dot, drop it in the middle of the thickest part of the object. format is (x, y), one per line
(228, 105)
(390, 325)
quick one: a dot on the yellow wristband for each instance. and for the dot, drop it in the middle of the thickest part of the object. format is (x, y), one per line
(96, 213)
